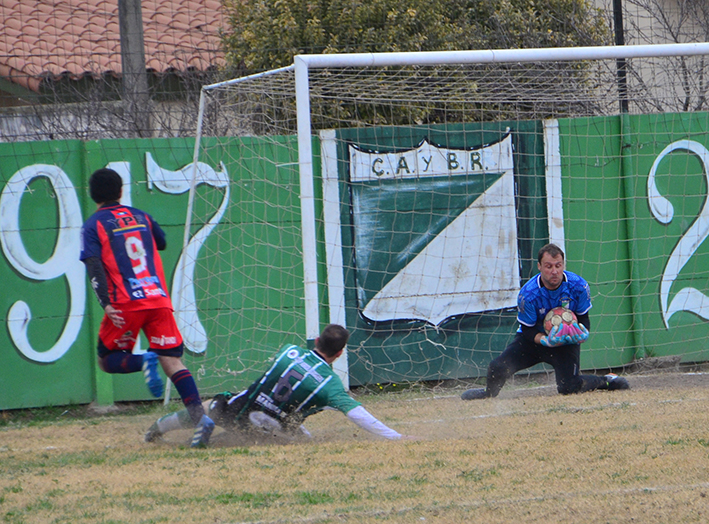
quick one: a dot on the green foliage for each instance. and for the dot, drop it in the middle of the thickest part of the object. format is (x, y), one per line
(518, 24)
(267, 34)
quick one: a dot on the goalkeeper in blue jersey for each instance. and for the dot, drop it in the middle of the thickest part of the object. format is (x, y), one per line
(552, 287)
(298, 384)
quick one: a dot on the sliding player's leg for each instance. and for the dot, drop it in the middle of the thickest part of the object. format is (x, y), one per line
(166, 341)
(187, 388)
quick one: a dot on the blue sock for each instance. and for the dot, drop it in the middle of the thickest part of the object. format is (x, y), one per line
(122, 362)
(187, 388)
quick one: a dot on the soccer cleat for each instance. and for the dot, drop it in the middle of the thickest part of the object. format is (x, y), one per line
(261, 420)
(153, 433)
(615, 382)
(474, 394)
(150, 371)
(202, 432)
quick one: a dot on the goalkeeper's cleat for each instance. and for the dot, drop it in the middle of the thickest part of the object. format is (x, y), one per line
(202, 432)
(614, 382)
(153, 433)
(150, 371)
(474, 394)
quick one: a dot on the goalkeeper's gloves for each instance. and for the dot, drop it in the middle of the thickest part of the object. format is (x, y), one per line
(553, 339)
(577, 333)
(568, 334)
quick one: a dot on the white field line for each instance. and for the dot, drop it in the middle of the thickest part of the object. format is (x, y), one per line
(561, 409)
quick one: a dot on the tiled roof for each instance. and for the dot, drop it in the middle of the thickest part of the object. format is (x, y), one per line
(40, 38)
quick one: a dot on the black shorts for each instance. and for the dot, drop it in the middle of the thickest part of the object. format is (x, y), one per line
(231, 411)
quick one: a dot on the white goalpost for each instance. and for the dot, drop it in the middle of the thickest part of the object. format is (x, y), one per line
(404, 195)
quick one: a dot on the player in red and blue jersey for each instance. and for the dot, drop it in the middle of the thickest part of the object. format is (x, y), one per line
(298, 384)
(552, 287)
(119, 246)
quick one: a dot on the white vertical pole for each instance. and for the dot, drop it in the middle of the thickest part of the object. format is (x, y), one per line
(307, 199)
(333, 243)
(188, 217)
(552, 161)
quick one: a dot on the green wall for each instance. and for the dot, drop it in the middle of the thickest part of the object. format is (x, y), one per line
(262, 214)
(648, 274)
(40, 301)
(595, 219)
(611, 234)
(621, 243)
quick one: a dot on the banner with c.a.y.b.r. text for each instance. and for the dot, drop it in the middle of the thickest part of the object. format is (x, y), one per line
(440, 229)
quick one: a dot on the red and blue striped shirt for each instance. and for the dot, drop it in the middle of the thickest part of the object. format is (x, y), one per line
(127, 241)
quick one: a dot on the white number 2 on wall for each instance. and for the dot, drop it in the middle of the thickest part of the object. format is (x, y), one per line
(687, 298)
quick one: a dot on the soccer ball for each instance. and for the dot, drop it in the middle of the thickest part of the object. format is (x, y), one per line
(557, 316)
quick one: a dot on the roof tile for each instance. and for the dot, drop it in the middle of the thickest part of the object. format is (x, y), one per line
(81, 37)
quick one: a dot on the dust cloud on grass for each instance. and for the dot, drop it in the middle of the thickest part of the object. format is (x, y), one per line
(527, 456)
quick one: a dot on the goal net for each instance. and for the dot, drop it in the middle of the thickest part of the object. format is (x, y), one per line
(406, 196)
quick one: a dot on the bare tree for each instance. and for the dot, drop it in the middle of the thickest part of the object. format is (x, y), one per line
(677, 84)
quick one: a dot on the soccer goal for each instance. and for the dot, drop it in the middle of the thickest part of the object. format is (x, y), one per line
(405, 196)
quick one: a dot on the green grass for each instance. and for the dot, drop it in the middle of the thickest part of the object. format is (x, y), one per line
(532, 458)
(81, 413)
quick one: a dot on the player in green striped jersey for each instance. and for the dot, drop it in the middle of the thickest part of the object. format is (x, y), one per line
(299, 383)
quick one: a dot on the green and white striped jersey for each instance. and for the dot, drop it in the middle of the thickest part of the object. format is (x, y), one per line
(298, 384)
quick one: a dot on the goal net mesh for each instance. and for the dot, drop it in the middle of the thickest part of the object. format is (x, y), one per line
(447, 180)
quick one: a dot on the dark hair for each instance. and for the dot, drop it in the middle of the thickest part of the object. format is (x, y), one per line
(332, 339)
(553, 250)
(105, 185)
